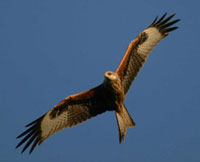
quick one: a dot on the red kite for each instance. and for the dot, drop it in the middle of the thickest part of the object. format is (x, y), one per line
(108, 96)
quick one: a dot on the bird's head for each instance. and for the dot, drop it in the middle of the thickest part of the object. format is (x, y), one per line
(110, 76)
(112, 81)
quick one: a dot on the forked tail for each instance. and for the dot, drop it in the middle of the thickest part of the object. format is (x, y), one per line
(124, 121)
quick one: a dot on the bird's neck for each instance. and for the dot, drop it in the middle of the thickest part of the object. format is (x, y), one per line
(114, 88)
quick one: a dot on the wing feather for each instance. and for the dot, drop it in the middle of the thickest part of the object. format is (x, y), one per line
(68, 113)
(139, 49)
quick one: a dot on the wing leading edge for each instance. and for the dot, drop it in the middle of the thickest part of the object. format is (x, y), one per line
(139, 49)
(71, 111)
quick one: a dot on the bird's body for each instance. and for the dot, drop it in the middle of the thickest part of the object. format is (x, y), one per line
(108, 96)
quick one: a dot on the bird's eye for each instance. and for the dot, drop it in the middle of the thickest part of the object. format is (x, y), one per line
(109, 73)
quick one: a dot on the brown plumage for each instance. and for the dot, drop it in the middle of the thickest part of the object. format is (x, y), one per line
(109, 96)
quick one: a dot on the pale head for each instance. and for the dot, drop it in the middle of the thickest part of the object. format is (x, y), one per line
(111, 76)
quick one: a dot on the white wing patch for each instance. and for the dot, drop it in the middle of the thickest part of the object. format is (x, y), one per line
(50, 126)
(154, 37)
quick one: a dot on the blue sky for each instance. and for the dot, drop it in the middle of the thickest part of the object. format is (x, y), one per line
(52, 49)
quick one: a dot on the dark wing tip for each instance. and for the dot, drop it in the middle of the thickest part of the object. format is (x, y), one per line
(164, 24)
(31, 135)
(34, 121)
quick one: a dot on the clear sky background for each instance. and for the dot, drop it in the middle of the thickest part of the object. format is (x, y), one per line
(52, 49)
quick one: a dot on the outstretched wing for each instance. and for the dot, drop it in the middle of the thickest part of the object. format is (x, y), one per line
(139, 49)
(68, 113)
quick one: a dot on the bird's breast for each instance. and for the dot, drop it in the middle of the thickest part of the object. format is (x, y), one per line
(113, 94)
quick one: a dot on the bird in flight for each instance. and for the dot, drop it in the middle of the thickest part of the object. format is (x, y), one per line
(108, 96)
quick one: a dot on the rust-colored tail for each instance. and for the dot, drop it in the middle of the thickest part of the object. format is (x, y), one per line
(124, 121)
